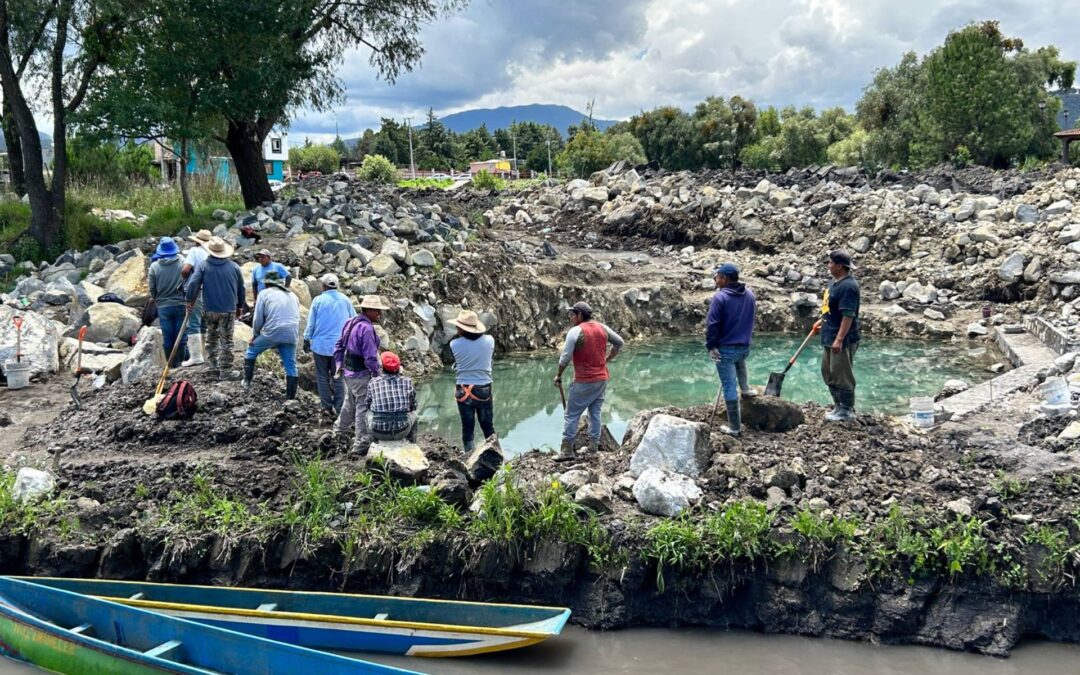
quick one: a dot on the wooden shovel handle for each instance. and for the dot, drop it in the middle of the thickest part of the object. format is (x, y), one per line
(172, 354)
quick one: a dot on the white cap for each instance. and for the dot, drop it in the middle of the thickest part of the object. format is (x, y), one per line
(329, 280)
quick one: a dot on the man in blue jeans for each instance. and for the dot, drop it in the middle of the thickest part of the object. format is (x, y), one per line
(729, 328)
(167, 290)
(276, 325)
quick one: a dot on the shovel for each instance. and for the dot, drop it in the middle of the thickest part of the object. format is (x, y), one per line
(151, 403)
(78, 371)
(18, 338)
(776, 380)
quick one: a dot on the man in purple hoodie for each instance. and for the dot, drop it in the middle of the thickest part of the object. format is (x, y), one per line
(356, 356)
(729, 328)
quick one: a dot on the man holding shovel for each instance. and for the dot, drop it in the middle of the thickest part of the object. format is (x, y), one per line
(587, 346)
(729, 329)
(840, 336)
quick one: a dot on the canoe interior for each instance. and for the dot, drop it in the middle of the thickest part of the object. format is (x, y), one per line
(58, 623)
(549, 620)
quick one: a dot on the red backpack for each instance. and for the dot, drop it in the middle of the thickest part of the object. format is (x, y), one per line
(180, 402)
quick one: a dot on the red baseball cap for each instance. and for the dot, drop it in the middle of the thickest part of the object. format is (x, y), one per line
(391, 362)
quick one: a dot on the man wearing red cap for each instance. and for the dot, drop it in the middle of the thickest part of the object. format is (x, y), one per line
(392, 403)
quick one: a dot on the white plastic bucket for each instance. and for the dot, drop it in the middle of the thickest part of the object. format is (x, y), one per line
(922, 411)
(1054, 391)
(18, 374)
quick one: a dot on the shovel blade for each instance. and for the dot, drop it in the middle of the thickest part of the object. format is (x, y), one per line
(151, 404)
(75, 396)
(776, 382)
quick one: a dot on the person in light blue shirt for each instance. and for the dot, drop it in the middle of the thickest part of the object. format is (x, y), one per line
(473, 354)
(328, 314)
(275, 325)
(266, 266)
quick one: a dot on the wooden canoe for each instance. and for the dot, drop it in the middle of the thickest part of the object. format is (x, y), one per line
(339, 621)
(67, 632)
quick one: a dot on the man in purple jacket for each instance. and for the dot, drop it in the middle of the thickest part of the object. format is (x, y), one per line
(356, 356)
(729, 328)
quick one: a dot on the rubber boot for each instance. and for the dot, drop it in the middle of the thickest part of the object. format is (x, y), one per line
(734, 416)
(846, 409)
(566, 451)
(594, 445)
(832, 415)
(290, 387)
(249, 373)
(195, 351)
(749, 393)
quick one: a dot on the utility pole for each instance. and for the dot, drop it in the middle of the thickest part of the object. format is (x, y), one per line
(513, 138)
(549, 158)
(412, 165)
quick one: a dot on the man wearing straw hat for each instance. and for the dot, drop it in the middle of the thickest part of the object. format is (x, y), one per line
(221, 284)
(167, 290)
(195, 257)
(330, 310)
(473, 353)
(275, 325)
(356, 356)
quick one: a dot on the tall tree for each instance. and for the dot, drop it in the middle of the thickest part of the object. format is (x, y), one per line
(667, 135)
(67, 41)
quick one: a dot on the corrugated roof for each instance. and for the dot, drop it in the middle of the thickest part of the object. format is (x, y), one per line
(1070, 133)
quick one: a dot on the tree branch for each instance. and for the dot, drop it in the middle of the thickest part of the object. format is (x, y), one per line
(33, 44)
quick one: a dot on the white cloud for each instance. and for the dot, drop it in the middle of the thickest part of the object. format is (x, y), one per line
(637, 55)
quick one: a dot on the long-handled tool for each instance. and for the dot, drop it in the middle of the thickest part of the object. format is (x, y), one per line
(776, 380)
(78, 371)
(716, 406)
(562, 394)
(18, 338)
(151, 403)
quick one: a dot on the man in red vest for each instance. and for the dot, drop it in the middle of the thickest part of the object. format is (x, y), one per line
(587, 346)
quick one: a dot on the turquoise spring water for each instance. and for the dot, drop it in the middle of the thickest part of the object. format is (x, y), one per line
(528, 413)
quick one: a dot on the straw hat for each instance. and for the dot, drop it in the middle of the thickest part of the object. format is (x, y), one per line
(219, 248)
(201, 237)
(468, 321)
(373, 302)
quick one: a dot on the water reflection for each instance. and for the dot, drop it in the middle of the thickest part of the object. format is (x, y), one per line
(528, 412)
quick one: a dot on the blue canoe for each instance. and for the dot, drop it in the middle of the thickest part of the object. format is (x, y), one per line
(339, 621)
(71, 633)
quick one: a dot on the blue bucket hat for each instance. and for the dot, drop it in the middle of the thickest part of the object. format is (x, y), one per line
(166, 248)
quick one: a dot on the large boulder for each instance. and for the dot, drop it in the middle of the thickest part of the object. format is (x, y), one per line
(672, 444)
(129, 281)
(110, 321)
(146, 359)
(769, 413)
(1012, 270)
(40, 340)
(665, 494)
(383, 265)
(95, 358)
(398, 250)
(404, 459)
(484, 461)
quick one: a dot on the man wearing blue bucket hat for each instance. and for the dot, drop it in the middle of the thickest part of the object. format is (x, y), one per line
(167, 290)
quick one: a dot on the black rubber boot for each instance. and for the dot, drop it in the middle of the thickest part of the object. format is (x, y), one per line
(249, 373)
(734, 416)
(846, 410)
(566, 452)
(290, 387)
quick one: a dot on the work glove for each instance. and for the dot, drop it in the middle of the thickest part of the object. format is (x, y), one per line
(307, 346)
(714, 354)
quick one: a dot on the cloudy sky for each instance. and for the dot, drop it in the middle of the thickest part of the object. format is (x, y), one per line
(633, 55)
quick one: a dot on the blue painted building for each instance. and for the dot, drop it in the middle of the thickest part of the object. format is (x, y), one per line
(275, 154)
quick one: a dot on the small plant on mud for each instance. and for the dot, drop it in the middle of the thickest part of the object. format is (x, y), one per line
(895, 540)
(820, 534)
(1059, 553)
(1006, 487)
(486, 181)
(141, 491)
(961, 546)
(25, 516)
(204, 509)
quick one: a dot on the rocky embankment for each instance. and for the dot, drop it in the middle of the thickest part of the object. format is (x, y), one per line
(963, 536)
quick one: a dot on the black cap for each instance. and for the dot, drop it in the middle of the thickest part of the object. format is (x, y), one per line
(842, 257)
(581, 308)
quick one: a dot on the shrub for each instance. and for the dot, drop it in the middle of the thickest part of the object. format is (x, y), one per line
(320, 158)
(378, 169)
(485, 181)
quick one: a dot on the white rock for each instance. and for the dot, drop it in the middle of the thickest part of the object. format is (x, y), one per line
(110, 321)
(1012, 269)
(976, 329)
(398, 250)
(146, 359)
(425, 258)
(665, 494)
(32, 484)
(40, 340)
(672, 444)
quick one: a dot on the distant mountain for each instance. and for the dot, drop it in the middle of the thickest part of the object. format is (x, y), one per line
(46, 141)
(558, 116)
(1071, 102)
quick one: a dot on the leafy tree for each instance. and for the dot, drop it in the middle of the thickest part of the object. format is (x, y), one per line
(724, 128)
(322, 158)
(590, 151)
(436, 145)
(764, 154)
(479, 145)
(366, 145)
(767, 123)
(378, 169)
(339, 146)
(851, 151)
(108, 163)
(803, 140)
(889, 111)
(392, 141)
(64, 43)
(668, 136)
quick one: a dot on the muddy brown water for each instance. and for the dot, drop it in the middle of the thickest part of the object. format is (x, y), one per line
(698, 650)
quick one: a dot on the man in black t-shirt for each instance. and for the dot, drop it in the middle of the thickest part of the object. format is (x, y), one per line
(840, 336)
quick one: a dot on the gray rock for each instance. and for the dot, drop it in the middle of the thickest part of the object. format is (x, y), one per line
(1012, 269)
(398, 250)
(1034, 271)
(976, 330)
(1026, 214)
(888, 291)
(484, 461)
(383, 266)
(110, 321)
(595, 497)
(40, 340)
(146, 359)
(672, 444)
(423, 258)
(404, 459)
(574, 479)
(665, 494)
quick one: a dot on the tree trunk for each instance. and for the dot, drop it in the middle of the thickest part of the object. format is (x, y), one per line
(244, 142)
(185, 179)
(14, 151)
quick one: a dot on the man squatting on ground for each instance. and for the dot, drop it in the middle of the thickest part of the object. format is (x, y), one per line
(729, 329)
(587, 346)
(356, 356)
(840, 336)
(392, 403)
